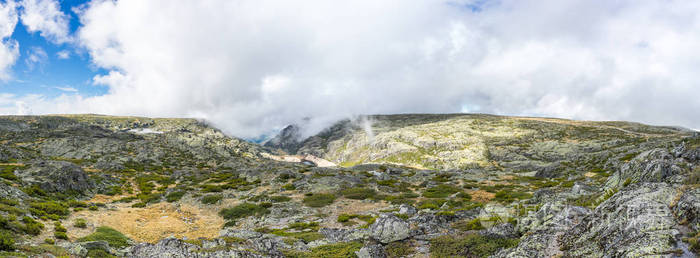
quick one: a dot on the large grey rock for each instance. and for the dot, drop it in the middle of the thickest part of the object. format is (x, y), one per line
(657, 165)
(269, 245)
(389, 228)
(57, 176)
(429, 225)
(176, 248)
(637, 221)
(687, 209)
(406, 209)
(371, 251)
(12, 193)
(334, 235)
(541, 230)
(552, 216)
(239, 233)
(503, 230)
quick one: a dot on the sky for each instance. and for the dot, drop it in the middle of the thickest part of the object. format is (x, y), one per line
(251, 67)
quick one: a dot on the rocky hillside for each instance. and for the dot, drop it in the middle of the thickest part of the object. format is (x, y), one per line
(460, 141)
(408, 186)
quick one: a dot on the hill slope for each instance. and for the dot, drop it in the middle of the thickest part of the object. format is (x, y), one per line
(462, 141)
(409, 186)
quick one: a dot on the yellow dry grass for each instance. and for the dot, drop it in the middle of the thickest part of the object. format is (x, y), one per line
(12, 164)
(91, 170)
(154, 222)
(481, 196)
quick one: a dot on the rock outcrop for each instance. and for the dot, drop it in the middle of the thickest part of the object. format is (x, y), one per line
(637, 221)
(57, 176)
(389, 228)
(176, 248)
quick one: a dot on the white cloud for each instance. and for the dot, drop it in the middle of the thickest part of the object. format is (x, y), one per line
(252, 65)
(45, 16)
(9, 49)
(66, 89)
(63, 54)
(36, 56)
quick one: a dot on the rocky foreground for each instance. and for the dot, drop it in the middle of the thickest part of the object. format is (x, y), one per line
(404, 186)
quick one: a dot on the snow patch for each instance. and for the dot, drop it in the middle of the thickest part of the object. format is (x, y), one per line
(144, 131)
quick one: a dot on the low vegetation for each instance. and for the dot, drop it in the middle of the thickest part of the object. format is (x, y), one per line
(243, 210)
(113, 237)
(469, 245)
(319, 200)
(339, 250)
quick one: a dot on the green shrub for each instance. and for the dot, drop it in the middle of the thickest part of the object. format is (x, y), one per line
(31, 226)
(212, 198)
(127, 199)
(399, 249)
(465, 196)
(629, 157)
(58, 227)
(11, 209)
(212, 188)
(466, 225)
(78, 204)
(404, 198)
(339, 250)
(80, 223)
(344, 218)
(115, 238)
(505, 196)
(627, 182)
(389, 182)
(567, 184)
(289, 187)
(60, 235)
(174, 196)
(243, 210)
(431, 204)
(319, 200)
(149, 198)
(9, 202)
(49, 241)
(280, 198)
(441, 191)
(693, 242)
(304, 226)
(99, 253)
(45, 209)
(34, 191)
(113, 190)
(470, 245)
(358, 193)
(445, 213)
(8, 172)
(7, 241)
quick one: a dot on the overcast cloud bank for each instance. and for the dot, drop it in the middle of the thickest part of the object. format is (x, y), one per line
(254, 66)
